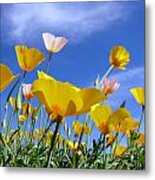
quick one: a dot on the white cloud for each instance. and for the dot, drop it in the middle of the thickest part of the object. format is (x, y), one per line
(131, 75)
(75, 20)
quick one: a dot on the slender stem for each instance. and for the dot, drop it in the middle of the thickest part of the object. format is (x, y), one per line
(75, 160)
(46, 130)
(141, 118)
(39, 111)
(80, 138)
(7, 101)
(52, 145)
(48, 63)
(24, 75)
(5, 118)
(13, 88)
(11, 91)
(90, 134)
(121, 137)
(87, 122)
(10, 122)
(104, 152)
(13, 134)
(106, 74)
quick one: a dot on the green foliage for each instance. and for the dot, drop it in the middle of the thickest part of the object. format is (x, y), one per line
(30, 155)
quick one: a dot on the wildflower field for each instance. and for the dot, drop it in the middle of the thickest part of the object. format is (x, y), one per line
(36, 132)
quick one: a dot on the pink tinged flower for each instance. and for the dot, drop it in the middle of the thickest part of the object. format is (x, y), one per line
(52, 43)
(27, 91)
(110, 86)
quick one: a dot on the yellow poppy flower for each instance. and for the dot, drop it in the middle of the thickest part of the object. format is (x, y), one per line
(28, 59)
(128, 125)
(119, 57)
(85, 94)
(71, 145)
(29, 110)
(108, 121)
(22, 118)
(6, 76)
(101, 117)
(140, 139)
(90, 97)
(120, 150)
(110, 138)
(63, 98)
(118, 117)
(79, 128)
(138, 94)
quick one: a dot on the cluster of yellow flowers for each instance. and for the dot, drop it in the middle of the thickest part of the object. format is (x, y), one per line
(62, 99)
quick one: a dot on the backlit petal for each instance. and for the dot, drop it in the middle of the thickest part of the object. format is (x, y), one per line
(128, 124)
(90, 97)
(138, 94)
(28, 59)
(101, 115)
(6, 77)
(60, 42)
(57, 96)
(118, 116)
(120, 150)
(119, 57)
(49, 40)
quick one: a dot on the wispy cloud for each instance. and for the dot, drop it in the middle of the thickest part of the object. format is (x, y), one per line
(75, 20)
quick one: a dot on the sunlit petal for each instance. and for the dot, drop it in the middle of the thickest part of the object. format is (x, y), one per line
(138, 94)
(120, 150)
(119, 57)
(101, 115)
(6, 77)
(28, 59)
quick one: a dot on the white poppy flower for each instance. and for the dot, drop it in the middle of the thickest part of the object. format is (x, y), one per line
(52, 43)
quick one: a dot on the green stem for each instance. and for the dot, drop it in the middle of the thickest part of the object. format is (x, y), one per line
(87, 122)
(141, 118)
(91, 130)
(46, 130)
(104, 152)
(49, 157)
(5, 118)
(121, 138)
(12, 135)
(75, 160)
(106, 74)
(10, 122)
(80, 138)
(48, 63)
(11, 91)
(13, 88)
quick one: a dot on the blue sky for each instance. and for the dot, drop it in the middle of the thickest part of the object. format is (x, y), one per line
(92, 28)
